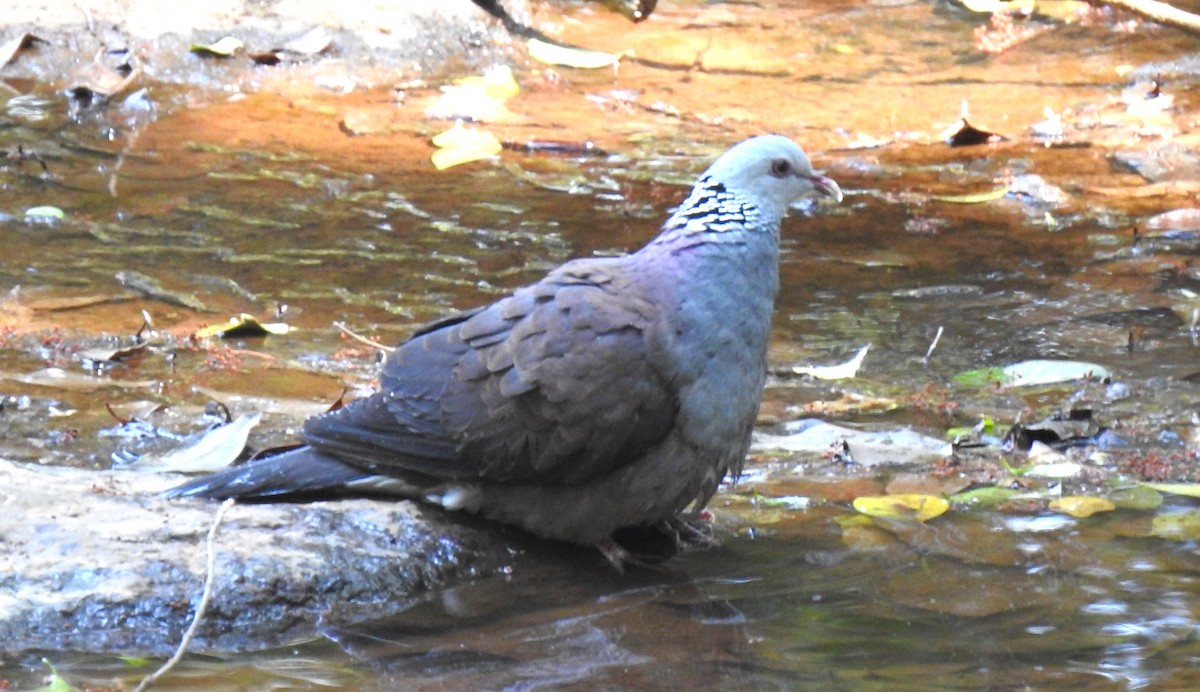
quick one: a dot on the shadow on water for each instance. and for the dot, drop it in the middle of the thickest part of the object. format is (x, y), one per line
(263, 205)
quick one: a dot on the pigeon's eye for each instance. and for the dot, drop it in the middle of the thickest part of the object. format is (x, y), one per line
(781, 168)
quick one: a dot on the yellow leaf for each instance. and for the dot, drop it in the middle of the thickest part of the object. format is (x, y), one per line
(1062, 10)
(990, 6)
(1081, 506)
(568, 56)
(241, 326)
(497, 82)
(910, 506)
(975, 198)
(461, 145)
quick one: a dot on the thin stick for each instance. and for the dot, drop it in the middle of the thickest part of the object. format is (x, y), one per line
(341, 326)
(936, 338)
(205, 597)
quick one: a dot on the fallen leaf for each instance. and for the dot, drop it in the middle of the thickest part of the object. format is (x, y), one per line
(477, 98)
(570, 56)
(57, 683)
(241, 327)
(975, 198)
(908, 506)
(496, 82)
(24, 42)
(78, 381)
(1136, 497)
(968, 135)
(460, 145)
(1081, 506)
(1186, 489)
(988, 496)
(113, 355)
(842, 371)
(269, 57)
(223, 47)
(211, 451)
(901, 446)
(44, 212)
(1033, 372)
(1184, 526)
(992, 6)
(315, 41)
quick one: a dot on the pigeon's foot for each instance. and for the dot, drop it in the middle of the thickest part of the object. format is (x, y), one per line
(689, 531)
(650, 545)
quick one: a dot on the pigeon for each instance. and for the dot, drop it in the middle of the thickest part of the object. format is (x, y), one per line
(615, 393)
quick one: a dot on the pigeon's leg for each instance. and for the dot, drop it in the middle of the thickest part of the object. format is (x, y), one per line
(615, 553)
(618, 556)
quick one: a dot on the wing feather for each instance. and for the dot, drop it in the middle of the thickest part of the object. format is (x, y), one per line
(561, 382)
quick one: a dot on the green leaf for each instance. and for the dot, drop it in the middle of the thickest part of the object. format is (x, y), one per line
(1136, 497)
(222, 48)
(1188, 489)
(983, 497)
(57, 682)
(1034, 372)
(1179, 527)
(980, 378)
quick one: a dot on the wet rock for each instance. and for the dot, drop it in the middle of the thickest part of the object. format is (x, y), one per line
(369, 46)
(1167, 163)
(95, 561)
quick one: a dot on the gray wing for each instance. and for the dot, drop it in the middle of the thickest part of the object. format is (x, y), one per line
(561, 382)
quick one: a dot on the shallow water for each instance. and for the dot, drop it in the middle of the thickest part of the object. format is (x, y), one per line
(262, 204)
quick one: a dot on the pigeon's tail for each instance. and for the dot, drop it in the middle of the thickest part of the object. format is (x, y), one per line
(300, 474)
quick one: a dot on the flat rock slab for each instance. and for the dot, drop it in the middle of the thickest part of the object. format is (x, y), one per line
(95, 561)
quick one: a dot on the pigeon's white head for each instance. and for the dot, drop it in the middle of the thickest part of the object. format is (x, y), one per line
(771, 172)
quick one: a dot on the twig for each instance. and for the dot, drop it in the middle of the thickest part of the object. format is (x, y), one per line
(936, 338)
(205, 597)
(341, 326)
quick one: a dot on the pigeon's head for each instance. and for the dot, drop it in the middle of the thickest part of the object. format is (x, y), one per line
(772, 172)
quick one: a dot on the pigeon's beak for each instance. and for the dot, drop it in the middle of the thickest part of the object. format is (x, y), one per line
(827, 187)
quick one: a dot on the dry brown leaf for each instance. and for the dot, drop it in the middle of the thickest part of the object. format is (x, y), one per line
(25, 41)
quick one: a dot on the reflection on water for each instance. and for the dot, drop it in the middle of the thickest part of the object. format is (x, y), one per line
(291, 216)
(796, 605)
